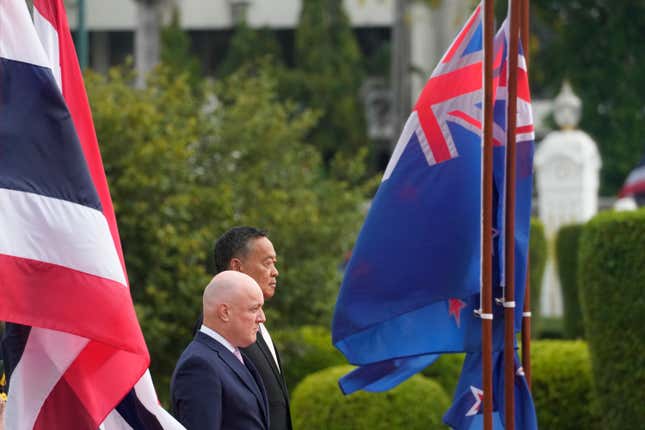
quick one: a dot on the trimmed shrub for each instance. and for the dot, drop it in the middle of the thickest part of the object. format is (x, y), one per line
(537, 261)
(305, 350)
(611, 274)
(446, 371)
(562, 385)
(551, 328)
(566, 249)
(318, 404)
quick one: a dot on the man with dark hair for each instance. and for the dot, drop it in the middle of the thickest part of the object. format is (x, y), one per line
(249, 250)
(235, 243)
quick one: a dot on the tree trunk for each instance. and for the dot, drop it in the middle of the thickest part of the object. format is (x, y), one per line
(400, 67)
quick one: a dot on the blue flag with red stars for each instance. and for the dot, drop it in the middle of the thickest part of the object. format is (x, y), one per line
(417, 261)
(466, 411)
(395, 324)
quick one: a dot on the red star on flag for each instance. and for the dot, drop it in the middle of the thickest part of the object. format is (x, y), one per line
(454, 308)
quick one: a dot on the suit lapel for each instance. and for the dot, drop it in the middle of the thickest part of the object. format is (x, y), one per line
(269, 357)
(242, 371)
(283, 381)
(264, 398)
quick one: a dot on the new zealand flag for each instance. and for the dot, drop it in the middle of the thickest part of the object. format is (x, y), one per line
(407, 291)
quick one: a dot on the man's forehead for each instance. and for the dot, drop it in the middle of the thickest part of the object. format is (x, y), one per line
(254, 297)
(262, 245)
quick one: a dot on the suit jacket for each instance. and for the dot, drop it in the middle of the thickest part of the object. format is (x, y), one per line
(212, 390)
(274, 383)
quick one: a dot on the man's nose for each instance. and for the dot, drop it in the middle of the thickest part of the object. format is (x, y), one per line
(261, 317)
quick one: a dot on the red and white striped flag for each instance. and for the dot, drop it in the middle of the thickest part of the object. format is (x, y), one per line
(74, 344)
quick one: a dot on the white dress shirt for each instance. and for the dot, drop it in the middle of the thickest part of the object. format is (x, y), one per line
(218, 337)
(267, 339)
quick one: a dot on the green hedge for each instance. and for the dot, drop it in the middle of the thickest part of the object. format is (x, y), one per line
(551, 328)
(537, 261)
(562, 385)
(318, 404)
(611, 274)
(305, 350)
(566, 248)
(446, 371)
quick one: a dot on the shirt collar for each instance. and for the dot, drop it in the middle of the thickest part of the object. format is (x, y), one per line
(218, 337)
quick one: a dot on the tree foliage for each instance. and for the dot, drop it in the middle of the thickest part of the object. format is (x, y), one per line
(606, 72)
(182, 172)
(164, 214)
(176, 53)
(250, 48)
(328, 56)
(279, 183)
(326, 78)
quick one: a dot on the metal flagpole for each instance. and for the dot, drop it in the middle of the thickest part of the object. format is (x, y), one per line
(526, 314)
(486, 312)
(509, 227)
(526, 327)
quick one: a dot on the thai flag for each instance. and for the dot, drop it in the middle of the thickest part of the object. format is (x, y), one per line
(73, 342)
(407, 293)
(635, 183)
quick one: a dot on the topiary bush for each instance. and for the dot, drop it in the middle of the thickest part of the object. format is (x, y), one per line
(566, 248)
(537, 261)
(318, 404)
(305, 350)
(551, 328)
(446, 371)
(611, 277)
(561, 384)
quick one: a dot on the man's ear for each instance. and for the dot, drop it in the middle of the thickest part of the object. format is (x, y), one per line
(224, 312)
(235, 264)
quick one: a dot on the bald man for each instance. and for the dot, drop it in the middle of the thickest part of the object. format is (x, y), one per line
(248, 250)
(213, 387)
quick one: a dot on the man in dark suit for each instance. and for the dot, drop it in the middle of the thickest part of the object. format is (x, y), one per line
(249, 250)
(214, 386)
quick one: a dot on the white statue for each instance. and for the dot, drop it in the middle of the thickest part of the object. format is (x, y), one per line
(567, 166)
